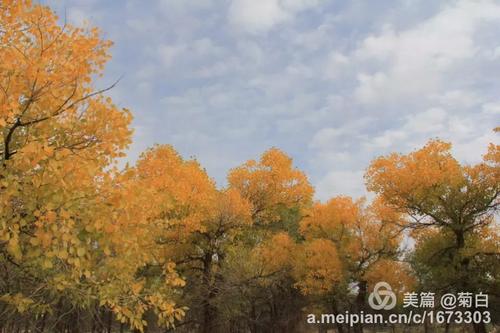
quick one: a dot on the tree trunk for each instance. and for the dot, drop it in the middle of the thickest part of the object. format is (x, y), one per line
(253, 322)
(40, 325)
(479, 328)
(59, 324)
(340, 328)
(459, 234)
(360, 303)
(109, 322)
(209, 312)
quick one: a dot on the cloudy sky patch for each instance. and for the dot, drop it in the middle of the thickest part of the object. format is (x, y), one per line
(333, 83)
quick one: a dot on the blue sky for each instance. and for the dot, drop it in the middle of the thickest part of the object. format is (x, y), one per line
(332, 83)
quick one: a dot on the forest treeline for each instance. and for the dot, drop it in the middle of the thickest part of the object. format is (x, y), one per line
(86, 246)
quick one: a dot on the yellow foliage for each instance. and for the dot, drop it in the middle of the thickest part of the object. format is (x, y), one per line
(74, 228)
(270, 184)
(277, 253)
(318, 267)
(398, 274)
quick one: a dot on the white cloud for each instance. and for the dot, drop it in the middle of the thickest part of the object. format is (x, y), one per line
(472, 150)
(415, 128)
(297, 5)
(182, 6)
(328, 137)
(316, 38)
(336, 65)
(491, 108)
(454, 99)
(169, 53)
(429, 121)
(226, 79)
(78, 16)
(468, 134)
(495, 54)
(341, 183)
(416, 60)
(256, 16)
(203, 48)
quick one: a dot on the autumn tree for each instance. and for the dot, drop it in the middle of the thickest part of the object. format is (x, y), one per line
(349, 243)
(189, 223)
(280, 195)
(60, 137)
(207, 257)
(86, 246)
(451, 209)
(273, 186)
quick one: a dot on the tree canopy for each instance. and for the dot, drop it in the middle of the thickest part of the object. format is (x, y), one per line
(88, 246)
